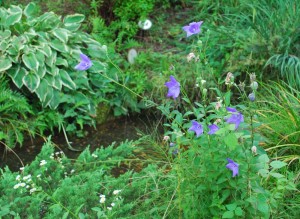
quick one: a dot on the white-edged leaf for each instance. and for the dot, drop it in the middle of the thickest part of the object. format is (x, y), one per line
(14, 15)
(67, 80)
(61, 34)
(30, 10)
(30, 61)
(31, 81)
(17, 75)
(42, 90)
(74, 18)
(5, 64)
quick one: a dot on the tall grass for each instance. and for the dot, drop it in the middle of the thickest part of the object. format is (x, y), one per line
(280, 114)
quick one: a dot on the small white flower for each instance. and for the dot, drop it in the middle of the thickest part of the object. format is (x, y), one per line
(32, 190)
(27, 186)
(18, 177)
(94, 155)
(145, 25)
(190, 56)
(27, 177)
(43, 162)
(109, 208)
(203, 82)
(115, 192)
(132, 54)
(16, 186)
(39, 176)
(102, 199)
(72, 171)
(22, 168)
(254, 150)
(112, 204)
(166, 138)
(22, 184)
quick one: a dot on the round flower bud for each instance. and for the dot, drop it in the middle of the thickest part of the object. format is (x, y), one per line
(254, 85)
(251, 97)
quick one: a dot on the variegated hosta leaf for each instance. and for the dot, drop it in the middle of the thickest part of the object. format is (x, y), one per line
(67, 80)
(55, 101)
(30, 61)
(42, 90)
(31, 81)
(61, 34)
(17, 75)
(14, 15)
(5, 64)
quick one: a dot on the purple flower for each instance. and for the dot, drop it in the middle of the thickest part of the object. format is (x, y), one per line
(192, 28)
(174, 87)
(172, 144)
(233, 166)
(84, 64)
(197, 128)
(230, 109)
(212, 129)
(235, 118)
(251, 97)
(175, 151)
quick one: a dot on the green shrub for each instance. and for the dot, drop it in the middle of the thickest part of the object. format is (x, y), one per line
(14, 120)
(38, 53)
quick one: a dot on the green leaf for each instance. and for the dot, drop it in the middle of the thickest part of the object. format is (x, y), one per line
(277, 164)
(67, 80)
(98, 67)
(61, 34)
(30, 10)
(262, 205)
(5, 64)
(30, 61)
(231, 141)
(231, 207)
(17, 75)
(40, 58)
(55, 101)
(46, 50)
(238, 211)
(57, 45)
(14, 16)
(5, 34)
(264, 172)
(228, 214)
(61, 61)
(75, 18)
(263, 158)
(42, 90)
(50, 60)
(41, 71)
(57, 82)
(276, 175)
(31, 81)
(48, 96)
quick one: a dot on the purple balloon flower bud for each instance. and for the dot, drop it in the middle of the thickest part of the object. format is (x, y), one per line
(233, 166)
(197, 128)
(251, 97)
(84, 64)
(192, 28)
(174, 87)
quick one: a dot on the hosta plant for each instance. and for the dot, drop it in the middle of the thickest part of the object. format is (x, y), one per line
(39, 53)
